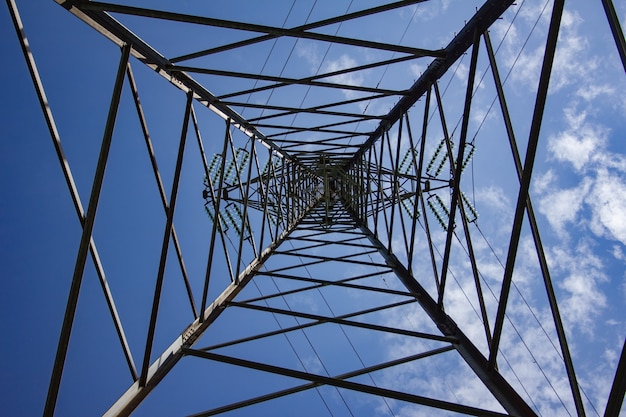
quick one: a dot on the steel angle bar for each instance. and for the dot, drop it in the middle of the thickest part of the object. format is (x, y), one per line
(86, 239)
(349, 229)
(456, 192)
(295, 250)
(157, 176)
(317, 243)
(394, 186)
(368, 181)
(308, 26)
(299, 388)
(542, 92)
(290, 129)
(376, 177)
(616, 30)
(616, 396)
(250, 27)
(450, 228)
(166, 240)
(311, 80)
(345, 258)
(216, 199)
(491, 378)
(356, 277)
(320, 109)
(282, 81)
(137, 392)
(343, 322)
(302, 326)
(334, 258)
(420, 167)
(325, 380)
(543, 263)
(326, 144)
(318, 262)
(264, 199)
(317, 110)
(69, 180)
(244, 195)
(321, 283)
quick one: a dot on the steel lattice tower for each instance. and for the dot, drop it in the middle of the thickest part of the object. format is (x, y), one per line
(329, 229)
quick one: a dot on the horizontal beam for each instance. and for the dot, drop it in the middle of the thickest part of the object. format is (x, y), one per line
(336, 382)
(250, 27)
(310, 385)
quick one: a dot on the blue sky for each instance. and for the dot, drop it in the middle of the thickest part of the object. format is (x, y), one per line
(578, 186)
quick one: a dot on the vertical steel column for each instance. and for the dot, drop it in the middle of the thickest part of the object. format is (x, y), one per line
(70, 310)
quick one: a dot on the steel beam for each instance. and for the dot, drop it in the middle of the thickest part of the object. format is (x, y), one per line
(618, 389)
(341, 383)
(270, 30)
(308, 26)
(616, 30)
(310, 385)
(286, 330)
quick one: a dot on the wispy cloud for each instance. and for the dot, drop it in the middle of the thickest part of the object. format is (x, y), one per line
(583, 274)
(582, 145)
(351, 78)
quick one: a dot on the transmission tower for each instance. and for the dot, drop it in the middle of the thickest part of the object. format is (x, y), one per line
(317, 232)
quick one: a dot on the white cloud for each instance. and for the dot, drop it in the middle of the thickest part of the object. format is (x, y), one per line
(582, 273)
(577, 144)
(561, 206)
(350, 78)
(600, 188)
(527, 67)
(417, 69)
(618, 253)
(544, 182)
(308, 51)
(591, 92)
(344, 62)
(571, 61)
(609, 206)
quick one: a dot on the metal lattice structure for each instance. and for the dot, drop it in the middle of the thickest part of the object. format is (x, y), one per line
(332, 213)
